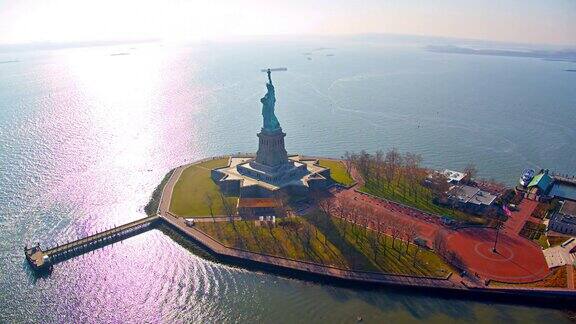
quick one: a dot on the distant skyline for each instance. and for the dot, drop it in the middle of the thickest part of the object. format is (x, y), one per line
(526, 21)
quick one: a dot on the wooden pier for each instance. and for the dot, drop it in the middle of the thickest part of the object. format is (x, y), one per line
(44, 259)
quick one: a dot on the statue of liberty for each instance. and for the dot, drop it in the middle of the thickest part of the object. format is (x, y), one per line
(271, 123)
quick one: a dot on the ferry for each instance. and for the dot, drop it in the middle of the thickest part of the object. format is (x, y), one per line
(526, 177)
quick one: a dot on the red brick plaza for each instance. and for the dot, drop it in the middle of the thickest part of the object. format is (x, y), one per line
(516, 259)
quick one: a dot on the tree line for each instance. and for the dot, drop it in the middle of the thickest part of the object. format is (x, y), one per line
(401, 170)
(362, 217)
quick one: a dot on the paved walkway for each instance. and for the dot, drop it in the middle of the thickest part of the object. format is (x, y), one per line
(570, 276)
(515, 223)
(427, 225)
(164, 206)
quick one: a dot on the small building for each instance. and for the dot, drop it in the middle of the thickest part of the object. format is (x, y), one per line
(540, 185)
(471, 199)
(564, 221)
(254, 207)
(453, 177)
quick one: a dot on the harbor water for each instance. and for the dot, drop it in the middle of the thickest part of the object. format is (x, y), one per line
(87, 133)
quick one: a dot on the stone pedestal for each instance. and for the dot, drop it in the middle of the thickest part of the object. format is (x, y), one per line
(271, 164)
(271, 150)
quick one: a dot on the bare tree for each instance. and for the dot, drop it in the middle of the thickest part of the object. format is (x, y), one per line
(346, 211)
(365, 211)
(418, 248)
(307, 231)
(470, 172)
(378, 166)
(374, 242)
(440, 245)
(348, 159)
(412, 165)
(392, 163)
(228, 209)
(402, 228)
(209, 201)
(383, 228)
(363, 166)
(412, 232)
(281, 204)
(396, 231)
(325, 203)
(439, 184)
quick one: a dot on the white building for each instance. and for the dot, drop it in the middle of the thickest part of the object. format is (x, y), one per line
(453, 176)
(470, 198)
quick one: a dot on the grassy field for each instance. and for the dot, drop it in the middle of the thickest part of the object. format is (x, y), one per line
(188, 197)
(421, 198)
(556, 279)
(295, 239)
(337, 171)
(328, 241)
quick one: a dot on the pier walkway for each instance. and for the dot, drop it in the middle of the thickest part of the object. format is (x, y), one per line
(567, 180)
(40, 259)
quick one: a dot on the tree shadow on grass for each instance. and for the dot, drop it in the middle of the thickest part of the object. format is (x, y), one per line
(278, 243)
(353, 256)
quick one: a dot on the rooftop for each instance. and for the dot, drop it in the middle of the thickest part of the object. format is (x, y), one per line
(453, 176)
(568, 208)
(563, 190)
(473, 195)
(542, 180)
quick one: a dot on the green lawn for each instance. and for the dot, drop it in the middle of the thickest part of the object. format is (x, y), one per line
(287, 239)
(337, 171)
(188, 197)
(328, 241)
(420, 197)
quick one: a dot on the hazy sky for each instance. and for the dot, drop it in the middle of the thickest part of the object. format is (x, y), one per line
(527, 21)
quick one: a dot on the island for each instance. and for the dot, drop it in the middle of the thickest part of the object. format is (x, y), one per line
(369, 219)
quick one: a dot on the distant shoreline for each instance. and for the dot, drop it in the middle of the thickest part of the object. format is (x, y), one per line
(564, 56)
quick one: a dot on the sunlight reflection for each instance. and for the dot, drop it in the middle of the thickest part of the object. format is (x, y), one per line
(122, 86)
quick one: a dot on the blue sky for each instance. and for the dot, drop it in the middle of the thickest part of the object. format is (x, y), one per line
(524, 21)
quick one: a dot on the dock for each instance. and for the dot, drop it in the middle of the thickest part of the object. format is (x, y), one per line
(41, 260)
(565, 179)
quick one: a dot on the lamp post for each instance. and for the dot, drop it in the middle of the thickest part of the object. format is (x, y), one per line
(497, 233)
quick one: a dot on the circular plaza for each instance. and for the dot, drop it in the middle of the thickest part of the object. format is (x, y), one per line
(515, 260)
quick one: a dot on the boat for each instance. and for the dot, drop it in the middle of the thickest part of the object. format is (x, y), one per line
(526, 177)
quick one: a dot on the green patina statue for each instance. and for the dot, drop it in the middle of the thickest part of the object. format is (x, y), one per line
(271, 123)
